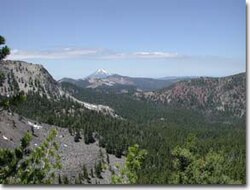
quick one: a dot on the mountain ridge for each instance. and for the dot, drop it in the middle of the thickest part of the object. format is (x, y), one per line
(120, 81)
(34, 78)
(225, 94)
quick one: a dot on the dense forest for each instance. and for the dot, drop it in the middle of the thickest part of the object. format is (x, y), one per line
(139, 109)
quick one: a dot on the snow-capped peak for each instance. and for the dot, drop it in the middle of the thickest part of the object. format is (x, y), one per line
(101, 71)
(99, 74)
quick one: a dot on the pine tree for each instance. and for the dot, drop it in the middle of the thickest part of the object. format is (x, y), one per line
(192, 168)
(134, 161)
(98, 169)
(59, 179)
(77, 136)
(65, 180)
(108, 161)
(92, 172)
(85, 172)
(35, 168)
(4, 51)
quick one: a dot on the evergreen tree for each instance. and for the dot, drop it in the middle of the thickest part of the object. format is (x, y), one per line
(192, 168)
(59, 179)
(88, 136)
(134, 161)
(98, 169)
(92, 172)
(108, 160)
(38, 167)
(65, 180)
(2, 78)
(77, 136)
(85, 172)
(4, 50)
(10, 103)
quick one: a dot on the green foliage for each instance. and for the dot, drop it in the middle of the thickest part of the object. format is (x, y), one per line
(77, 136)
(2, 78)
(157, 136)
(92, 173)
(124, 104)
(8, 103)
(4, 51)
(25, 141)
(88, 135)
(18, 99)
(2, 40)
(85, 172)
(192, 168)
(65, 180)
(98, 169)
(38, 167)
(59, 179)
(134, 161)
(108, 160)
(5, 104)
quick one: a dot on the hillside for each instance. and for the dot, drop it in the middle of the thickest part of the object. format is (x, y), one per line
(22, 76)
(121, 84)
(47, 105)
(226, 94)
(74, 155)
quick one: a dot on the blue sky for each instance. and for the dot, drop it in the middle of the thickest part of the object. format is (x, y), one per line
(153, 38)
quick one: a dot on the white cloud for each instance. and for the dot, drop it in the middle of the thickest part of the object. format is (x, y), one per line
(94, 53)
(156, 54)
(52, 54)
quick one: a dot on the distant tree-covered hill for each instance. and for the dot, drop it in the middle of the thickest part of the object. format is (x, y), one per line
(210, 95)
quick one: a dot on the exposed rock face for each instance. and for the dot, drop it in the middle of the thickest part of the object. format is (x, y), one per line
(209, 94)
(22, 76)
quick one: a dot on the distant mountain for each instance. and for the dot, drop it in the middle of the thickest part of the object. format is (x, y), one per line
(99, 74)
(115, 82)
(225, 94)
(178, 77)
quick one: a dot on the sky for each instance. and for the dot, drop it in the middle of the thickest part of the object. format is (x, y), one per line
(149, 38)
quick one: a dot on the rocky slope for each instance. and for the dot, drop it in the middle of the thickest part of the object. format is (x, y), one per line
(73, 154)
(22, 76)
(226, 94)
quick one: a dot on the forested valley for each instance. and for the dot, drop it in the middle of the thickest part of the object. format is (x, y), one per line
(155, 128)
